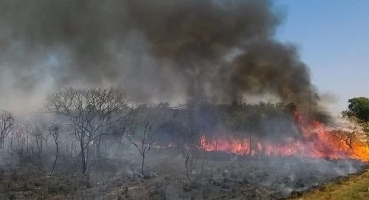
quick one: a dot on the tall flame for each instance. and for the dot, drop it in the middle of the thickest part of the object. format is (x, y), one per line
(317, 141)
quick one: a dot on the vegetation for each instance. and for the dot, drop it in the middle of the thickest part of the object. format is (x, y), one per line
(358, 112)
(6, 125)
(81, 122)
(90, 114)
(354, 187)
(359, 108)
(90, 125)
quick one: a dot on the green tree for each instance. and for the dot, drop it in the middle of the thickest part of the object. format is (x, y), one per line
(359, 108)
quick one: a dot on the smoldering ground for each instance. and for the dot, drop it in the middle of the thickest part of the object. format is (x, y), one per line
(217, 177)
(167, 50)
(162, 51)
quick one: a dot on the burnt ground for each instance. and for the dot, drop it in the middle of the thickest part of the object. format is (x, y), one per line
(215, 175)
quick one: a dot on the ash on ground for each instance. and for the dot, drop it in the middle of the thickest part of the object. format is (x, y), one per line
(213, 175)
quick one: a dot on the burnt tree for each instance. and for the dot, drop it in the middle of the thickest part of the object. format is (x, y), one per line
(54, 132)
(145, 125)
(186, 134)
(6, 125)
(37, 136)
(90, 113)
(348, 137)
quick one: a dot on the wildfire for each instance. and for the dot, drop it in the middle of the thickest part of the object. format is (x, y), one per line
(317, 141)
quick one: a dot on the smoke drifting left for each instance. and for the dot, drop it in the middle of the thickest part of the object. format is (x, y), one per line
(167, 50)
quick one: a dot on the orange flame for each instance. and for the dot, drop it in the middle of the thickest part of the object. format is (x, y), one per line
(317, 142)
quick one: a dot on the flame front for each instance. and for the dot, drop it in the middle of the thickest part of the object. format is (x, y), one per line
(317, 141)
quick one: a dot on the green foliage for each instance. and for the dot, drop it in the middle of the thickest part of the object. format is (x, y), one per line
(358, 107)
(358, 112)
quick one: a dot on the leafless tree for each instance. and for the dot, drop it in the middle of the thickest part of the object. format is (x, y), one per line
(21, 132)
(187, 145)
(144, 126)
(187, 136)
(38, 137)
(90, 113)
(349, 137)
(350, 132)
(6, 125)
(54, 132)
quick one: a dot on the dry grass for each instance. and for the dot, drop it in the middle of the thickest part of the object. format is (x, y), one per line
(355, 187)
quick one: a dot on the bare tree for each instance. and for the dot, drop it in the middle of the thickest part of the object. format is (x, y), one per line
(349, 137)
(54, 132)
(187, 136)
(350, 132)
(89, 113)
(6, 125)
(144, 126)
(187, 144)
(21, 133)
(37, 135)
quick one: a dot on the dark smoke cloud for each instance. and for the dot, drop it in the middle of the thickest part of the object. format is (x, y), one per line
(271, 67)
(158, 50)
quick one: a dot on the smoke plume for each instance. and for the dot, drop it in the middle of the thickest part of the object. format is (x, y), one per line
(160, 50)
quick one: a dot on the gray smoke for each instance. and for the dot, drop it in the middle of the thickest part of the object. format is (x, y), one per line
(159, 50)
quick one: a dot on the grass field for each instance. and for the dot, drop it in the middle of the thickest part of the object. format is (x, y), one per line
(353, 187)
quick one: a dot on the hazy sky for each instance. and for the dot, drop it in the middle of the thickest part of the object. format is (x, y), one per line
(333, 37)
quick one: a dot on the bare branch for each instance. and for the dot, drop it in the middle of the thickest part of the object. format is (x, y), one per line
(6, 125)
(91, 112)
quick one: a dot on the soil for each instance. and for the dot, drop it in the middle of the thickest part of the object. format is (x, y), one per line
(214, 175)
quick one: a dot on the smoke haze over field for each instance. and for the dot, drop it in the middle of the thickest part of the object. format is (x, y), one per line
(167, 50)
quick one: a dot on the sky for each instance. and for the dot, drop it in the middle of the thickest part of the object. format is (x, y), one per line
(333, 40)
(332, 37)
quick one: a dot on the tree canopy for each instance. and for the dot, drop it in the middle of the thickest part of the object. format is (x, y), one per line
(359, 108)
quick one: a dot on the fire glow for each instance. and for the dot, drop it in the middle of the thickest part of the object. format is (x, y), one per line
(317, 141)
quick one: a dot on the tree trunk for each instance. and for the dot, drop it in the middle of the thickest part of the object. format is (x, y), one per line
(11, 143)
(250, 143)
(83, 157)
(143, 164)
(98, 147)
(56, 157)
(27, 145)
(187, 158)
(203, 164)
(242, 142)
(2, 143)
(22, 148)
(87, 156)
